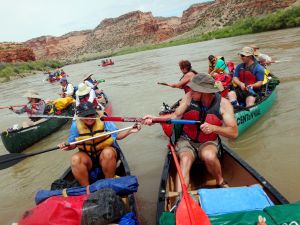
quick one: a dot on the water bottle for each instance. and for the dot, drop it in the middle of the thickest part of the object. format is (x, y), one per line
(252, 92)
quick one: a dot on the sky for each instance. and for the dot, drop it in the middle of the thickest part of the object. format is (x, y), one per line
(21, 20)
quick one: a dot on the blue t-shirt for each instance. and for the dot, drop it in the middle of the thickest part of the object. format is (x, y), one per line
(108, 126)
(258, 71)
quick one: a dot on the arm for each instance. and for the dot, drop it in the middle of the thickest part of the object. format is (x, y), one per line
(73, 135)
(229, 128)
(187, 77)
(125, 133)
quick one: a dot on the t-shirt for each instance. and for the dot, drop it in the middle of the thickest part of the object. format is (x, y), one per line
(220, 64)
(258, 71)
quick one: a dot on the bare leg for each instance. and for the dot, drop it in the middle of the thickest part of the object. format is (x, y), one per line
(108, 162)
(186, 159)
(232, 96)
(80, 165)
(250, 101)
(209, 155)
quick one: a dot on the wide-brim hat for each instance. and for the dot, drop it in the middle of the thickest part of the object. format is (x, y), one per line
(62, 80)
(32, 94)
(247, 51)
(86, 76)
(83, 89)
(203, 83)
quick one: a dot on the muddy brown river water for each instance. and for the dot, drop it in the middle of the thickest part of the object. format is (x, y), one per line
(271, 146)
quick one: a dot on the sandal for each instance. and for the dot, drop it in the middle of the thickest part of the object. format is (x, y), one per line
(224, 184)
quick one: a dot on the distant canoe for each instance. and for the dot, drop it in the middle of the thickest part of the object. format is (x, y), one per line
(107, 64)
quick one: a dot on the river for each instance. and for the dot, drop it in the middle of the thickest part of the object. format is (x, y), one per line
(271, 146)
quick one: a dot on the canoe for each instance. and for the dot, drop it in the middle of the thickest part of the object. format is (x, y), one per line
(236, 172)
(58, 215)
(245, 117)
(122, 170)
(15, 141)
(107, 64)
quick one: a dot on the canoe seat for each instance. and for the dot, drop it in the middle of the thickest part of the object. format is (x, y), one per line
(218, 201)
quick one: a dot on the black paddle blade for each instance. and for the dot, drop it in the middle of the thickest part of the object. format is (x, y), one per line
(9, 160)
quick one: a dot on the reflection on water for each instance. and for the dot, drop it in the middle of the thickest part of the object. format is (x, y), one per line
(270, 146)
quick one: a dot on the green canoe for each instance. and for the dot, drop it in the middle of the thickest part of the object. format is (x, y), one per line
(248, 116)
(15, 141)
(245, 117)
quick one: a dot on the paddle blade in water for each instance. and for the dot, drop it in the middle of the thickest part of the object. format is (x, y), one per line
(197, 217)
(9, 160)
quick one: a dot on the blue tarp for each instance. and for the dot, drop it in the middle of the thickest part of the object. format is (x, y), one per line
(122, 186)
(220, 201)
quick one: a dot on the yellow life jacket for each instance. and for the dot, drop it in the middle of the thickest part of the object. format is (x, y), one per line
(266, 75)
(62, 103)
(95, 146)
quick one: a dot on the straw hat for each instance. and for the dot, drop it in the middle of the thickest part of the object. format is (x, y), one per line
(86, 76)
(83, 89)
(32, 94)
(203, 83)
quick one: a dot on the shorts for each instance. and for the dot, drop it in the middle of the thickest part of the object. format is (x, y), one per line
(242, 95)
(184, 145)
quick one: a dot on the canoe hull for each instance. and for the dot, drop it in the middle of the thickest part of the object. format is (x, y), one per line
(235, 171)
(18, 140)
(246, 118)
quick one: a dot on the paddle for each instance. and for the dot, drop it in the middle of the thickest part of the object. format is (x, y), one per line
(5, 107)
(163, 83)
(188, 211)
(154, 120)
(9, 160)
(101, 81)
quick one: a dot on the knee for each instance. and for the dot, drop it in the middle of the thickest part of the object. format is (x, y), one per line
(75, 160)
(209, 157)
(108, 154)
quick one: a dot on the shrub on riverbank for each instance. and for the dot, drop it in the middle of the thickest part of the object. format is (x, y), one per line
(8, 70)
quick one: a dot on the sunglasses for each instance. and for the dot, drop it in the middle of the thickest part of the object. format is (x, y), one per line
(90, 116)
(84, 96)
(242, 56)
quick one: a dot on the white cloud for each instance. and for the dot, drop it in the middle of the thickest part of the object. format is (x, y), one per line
(21, 20)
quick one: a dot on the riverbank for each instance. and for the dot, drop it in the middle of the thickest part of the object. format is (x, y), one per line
(281, 19)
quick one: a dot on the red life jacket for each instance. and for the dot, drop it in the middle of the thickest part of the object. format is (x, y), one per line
(197, 111)
(246, 74)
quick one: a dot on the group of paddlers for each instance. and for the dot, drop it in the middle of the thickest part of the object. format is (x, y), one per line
(106, 62)
(55, 75)
(202, 102)
(69, 94)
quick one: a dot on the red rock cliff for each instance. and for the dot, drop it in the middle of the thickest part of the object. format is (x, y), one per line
(14, 52)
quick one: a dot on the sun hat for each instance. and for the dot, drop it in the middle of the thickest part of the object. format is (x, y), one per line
(86, 76)
(255, 48)
(83, 89)
(32, 94)
(247, 51)
(203, 83)
(62, 80)
(85, 109)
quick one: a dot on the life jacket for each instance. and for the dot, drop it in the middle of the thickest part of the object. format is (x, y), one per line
(95, 146)
(246, 74)
(211, 115)
(36, 106)
(185, 87)
(266, 75)
(230, 66)
(211, 65)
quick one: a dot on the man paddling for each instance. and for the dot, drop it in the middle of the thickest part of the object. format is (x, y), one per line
(35, 106)
(205, 104)
(96, 153)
